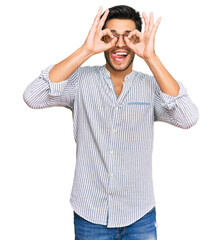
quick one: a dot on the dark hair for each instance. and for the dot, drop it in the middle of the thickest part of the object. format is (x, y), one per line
(124, 12)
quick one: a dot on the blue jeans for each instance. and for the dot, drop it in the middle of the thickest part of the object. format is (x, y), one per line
(142, 229)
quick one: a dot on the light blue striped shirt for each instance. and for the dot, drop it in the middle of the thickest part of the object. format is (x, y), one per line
(112, 182)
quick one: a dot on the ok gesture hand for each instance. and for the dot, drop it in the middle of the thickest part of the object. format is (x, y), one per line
(144, 47)
(93, 43)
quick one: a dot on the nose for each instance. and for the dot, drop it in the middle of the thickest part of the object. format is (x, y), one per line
(120, 42)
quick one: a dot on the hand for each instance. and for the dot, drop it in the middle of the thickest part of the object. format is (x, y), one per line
(144, 47)
(93, 43)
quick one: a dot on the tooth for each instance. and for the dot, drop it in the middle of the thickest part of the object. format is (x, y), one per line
(121, 53)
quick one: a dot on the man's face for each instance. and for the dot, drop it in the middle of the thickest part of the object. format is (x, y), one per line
(120, 62)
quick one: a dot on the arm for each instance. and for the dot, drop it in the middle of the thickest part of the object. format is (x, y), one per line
(166, 82)
(171, 102)
(57, 84)
(42, 93)
(179, 111)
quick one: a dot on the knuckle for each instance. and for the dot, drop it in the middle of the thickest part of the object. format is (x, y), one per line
(108, 30)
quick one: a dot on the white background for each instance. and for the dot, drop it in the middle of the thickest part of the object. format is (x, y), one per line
(37, 157)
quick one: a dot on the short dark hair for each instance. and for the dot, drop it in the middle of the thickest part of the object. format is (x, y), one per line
(124, 12)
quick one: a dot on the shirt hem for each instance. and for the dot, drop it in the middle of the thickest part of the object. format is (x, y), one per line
(76, 209)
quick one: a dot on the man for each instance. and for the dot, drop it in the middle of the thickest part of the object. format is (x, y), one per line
(114, 109)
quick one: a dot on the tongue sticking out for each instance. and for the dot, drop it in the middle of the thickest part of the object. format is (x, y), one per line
(118, 57)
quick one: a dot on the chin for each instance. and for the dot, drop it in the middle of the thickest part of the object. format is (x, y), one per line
(120, 66)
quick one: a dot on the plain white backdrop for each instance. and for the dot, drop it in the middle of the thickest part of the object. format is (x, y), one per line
(37, 157)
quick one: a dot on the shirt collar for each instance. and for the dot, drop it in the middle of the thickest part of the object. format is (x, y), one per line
(128, 78)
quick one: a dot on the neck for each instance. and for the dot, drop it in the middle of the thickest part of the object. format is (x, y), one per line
(119, 75)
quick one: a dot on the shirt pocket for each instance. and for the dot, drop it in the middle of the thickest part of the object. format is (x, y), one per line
(137, 112)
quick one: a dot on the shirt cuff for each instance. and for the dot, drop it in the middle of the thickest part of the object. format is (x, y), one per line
(170, 101)
(55, 88)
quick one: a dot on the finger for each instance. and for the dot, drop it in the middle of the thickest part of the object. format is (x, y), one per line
(106, 32)
(151, 18)
(135, 32)
(155, 29)
(146, 22)
(150, 22)
(111, 44)
(128, 43)
(157, 24)
(96, 20)
(102, 20)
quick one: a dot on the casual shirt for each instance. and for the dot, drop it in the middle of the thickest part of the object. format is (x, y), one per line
(112, 182)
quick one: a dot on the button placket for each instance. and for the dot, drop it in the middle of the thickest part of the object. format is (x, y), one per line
(111, 151)
(127, 83)
(111, 86)
(109, 196)
(114, 131)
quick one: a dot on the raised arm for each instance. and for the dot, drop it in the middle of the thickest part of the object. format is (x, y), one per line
(57, 84)
(172, 103)
(91, 46)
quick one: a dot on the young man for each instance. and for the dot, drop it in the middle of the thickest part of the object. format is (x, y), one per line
(114, 109)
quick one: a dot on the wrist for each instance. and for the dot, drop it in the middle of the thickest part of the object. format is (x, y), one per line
(151, 59)
(87, 53)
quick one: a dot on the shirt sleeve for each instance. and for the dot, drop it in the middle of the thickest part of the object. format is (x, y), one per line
(42, 93)
(179, 111)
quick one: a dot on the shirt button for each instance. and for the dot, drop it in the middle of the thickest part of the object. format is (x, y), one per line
(111, 152)
(109, 196)
(116, 108)
(110, 86)
(111, 174)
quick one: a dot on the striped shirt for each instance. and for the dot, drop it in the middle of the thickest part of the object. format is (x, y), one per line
(112, 182)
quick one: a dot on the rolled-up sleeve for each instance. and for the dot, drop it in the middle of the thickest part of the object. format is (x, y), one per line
(42, 93)
(179, 111)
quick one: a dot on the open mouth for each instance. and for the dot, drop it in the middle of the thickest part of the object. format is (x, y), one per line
(119, 56)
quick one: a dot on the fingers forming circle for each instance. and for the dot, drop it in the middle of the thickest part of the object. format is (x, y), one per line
(106, 32)
(128, 43)
(136, 33)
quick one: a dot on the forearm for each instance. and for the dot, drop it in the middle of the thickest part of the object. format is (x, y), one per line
(62, 70)
(166, 82)
(172, 102)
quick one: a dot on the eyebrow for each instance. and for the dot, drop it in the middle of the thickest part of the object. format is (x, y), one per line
(126, 31)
